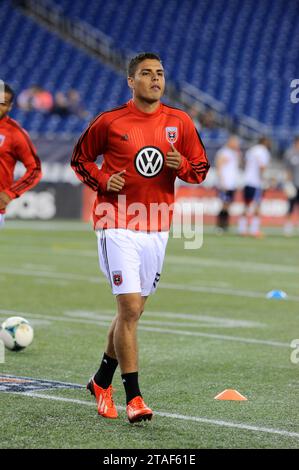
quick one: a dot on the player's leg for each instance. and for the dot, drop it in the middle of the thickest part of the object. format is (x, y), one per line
(230, 194)
(223, 215)
(104, 376)
(119, 263)
(130, 307)
(255, 224)
(289, 225)
(125, 331)
(110, 349)
(151, 248)
(244, 219)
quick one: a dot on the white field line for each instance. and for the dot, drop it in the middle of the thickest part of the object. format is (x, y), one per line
(71, 225)
(54, 282)
(202, 320)
(48, 226)
(53, 275)
(43, 267)
(213, 422)
(105, 323)
(163, 285)
(239, 265)
(198, 261)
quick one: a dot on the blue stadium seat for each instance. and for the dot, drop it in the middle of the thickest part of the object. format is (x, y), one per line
(242, 52)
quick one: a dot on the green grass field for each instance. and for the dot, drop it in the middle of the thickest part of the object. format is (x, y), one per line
(209, 327)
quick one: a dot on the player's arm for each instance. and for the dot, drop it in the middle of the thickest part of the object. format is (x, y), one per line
(24, 152)
(192, 163)
(91, 144)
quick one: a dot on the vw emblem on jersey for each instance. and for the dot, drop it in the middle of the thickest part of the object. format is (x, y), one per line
(149, 161)
(171, 134)
(2, 139)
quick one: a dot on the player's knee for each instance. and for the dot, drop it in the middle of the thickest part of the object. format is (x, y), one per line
(130, 311)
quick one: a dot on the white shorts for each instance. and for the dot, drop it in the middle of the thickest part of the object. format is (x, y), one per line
(131, 260)
(1, 220)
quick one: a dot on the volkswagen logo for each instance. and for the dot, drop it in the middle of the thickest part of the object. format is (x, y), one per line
(149, 161)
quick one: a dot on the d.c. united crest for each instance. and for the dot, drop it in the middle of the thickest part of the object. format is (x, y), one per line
(117, 278)
(171, 134)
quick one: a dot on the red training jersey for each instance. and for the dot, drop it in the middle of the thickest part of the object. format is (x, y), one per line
(15, 145)
(138, 142)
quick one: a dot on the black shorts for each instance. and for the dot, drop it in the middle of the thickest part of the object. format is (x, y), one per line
(293, 201)
(227, 196)
(252, 194)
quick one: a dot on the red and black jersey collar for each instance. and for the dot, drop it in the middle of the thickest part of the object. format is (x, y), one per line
(137, 111)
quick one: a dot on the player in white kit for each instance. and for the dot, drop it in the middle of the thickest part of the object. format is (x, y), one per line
(257, 159)
(227, 167)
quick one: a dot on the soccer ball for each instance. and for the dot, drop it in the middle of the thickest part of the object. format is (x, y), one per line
(16, 333)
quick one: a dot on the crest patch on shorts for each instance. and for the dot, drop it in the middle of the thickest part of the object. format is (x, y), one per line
(117, 278)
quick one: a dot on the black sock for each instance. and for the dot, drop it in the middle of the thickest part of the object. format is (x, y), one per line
(131, 385)
(103, 378)
(223, 219)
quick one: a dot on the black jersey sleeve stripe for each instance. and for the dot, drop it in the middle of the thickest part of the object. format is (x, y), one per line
(201, 164)
(79, 167)
(16, 188)
(202, 144)
(33, 175)
(91, 182)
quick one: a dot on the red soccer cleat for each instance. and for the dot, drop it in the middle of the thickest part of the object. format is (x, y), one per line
(103, 396)
(137, 410)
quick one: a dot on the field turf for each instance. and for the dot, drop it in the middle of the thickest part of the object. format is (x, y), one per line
(208, 328)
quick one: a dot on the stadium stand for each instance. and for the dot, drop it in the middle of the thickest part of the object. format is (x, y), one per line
(243, 59)
(40, 57)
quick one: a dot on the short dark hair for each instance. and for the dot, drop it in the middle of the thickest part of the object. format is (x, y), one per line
(264, 140)
(140, 58)
(9, 90)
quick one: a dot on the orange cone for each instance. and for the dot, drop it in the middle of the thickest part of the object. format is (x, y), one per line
(230, 394)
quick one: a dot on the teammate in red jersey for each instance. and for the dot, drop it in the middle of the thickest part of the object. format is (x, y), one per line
(145, 145)
(15, 145)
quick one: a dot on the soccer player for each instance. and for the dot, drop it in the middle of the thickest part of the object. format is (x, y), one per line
(15, 145)
(292, 185)
(227, 167)
(145, 145)
(257, 159)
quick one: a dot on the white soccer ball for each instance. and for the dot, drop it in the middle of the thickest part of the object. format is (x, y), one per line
(16, 333)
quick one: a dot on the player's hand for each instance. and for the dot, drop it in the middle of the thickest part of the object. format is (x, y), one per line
(173, 158)
(116, 182)
(4, 201)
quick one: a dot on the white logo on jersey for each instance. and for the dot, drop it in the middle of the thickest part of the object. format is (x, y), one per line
(2, 139)
(149, 161)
